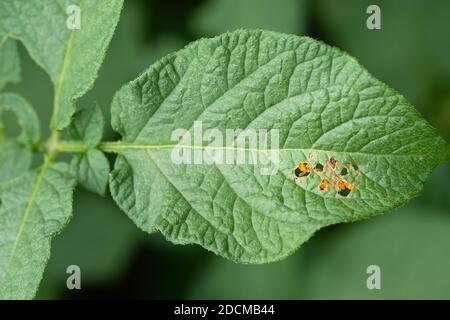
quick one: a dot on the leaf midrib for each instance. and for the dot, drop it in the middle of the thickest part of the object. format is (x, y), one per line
(49, 158)
(30, 204)
(119, 147)
(59, 85)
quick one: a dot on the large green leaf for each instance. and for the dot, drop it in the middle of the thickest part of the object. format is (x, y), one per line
(72, 57)
(33, 208)
(324, 105)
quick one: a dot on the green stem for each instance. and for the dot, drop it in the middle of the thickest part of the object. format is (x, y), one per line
(71, 146)
(78, 146)
(112, 146)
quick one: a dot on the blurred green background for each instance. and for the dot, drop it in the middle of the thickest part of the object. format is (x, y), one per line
(117, 260)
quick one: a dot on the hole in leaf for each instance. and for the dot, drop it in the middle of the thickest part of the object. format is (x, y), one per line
(344, 172)
(303, 170)
(323, 186)
(332, 163)
(318, 167)
(344, 188)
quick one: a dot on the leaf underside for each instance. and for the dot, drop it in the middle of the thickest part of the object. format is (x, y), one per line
(91, 169)
(33, 208)
(322, 102)
(72, 57)
(38, 203)
(87, 125)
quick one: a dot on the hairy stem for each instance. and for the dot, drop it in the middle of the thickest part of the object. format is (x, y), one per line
(71, 146)
(78, 146)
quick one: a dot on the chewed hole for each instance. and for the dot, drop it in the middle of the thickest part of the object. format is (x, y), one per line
(303, 169)
(318, 167)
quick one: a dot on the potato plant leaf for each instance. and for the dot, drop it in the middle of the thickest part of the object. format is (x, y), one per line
(91, 168)
(87, 125)
(33, 208)
(70, 52)
(323, 103)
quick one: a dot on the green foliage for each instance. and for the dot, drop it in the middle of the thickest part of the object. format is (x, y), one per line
(34, 207)
(37, 204)
(87, 125)
(71, 57)
(320, 99)
(91, 166)
(322, 102)
(91, 169)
